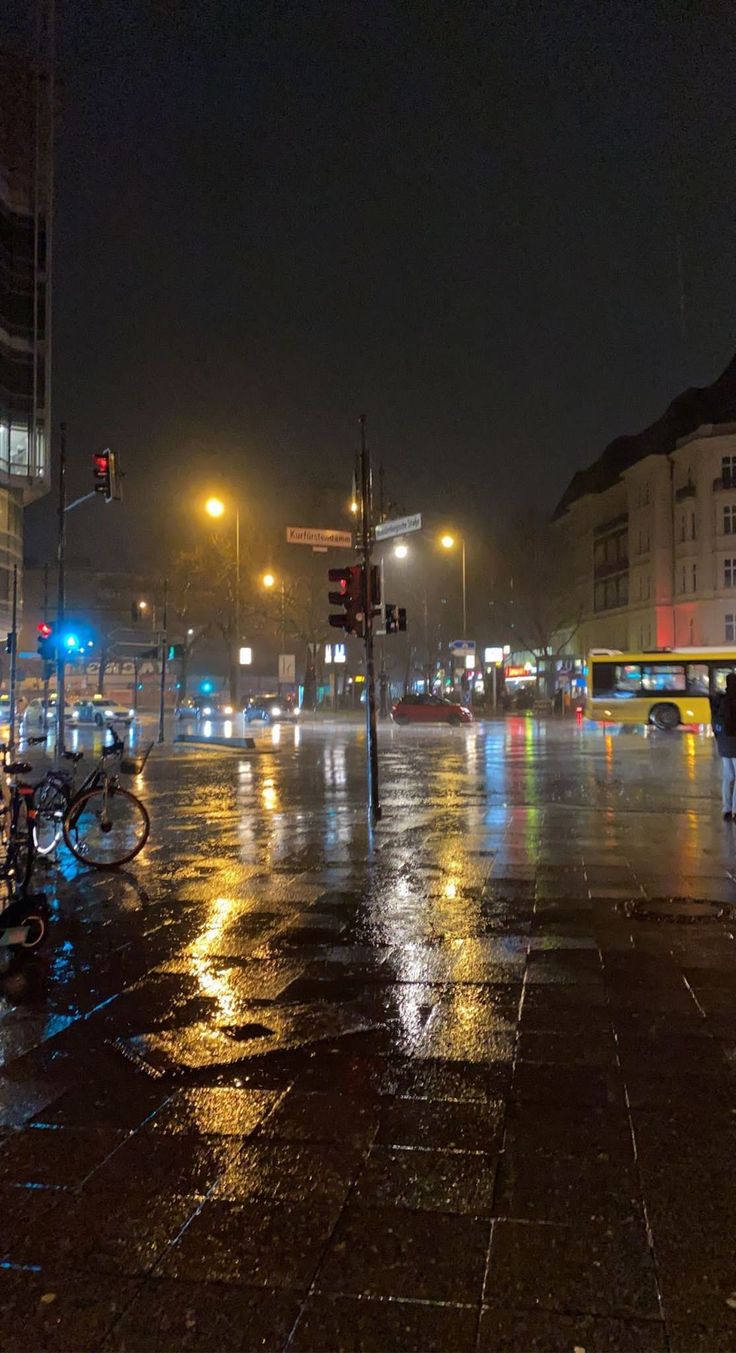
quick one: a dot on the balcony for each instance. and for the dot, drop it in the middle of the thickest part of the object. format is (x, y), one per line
(685, 491)
(726, 481)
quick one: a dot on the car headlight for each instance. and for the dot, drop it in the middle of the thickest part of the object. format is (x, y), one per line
(228, 709)
(207, 712)
(295, 712)
(276, 711)
(109, 713)
(75, 713)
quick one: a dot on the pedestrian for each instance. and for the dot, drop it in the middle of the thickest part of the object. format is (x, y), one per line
(723, 720)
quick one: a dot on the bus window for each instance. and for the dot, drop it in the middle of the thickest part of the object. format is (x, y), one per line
(604, 677)
(628, 679)
(663, 677)
(697, 678)
(718, 676)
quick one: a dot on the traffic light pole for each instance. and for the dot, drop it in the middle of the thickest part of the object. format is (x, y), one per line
(164, 655)
(61, 597)
(366, 531)
(13, 656)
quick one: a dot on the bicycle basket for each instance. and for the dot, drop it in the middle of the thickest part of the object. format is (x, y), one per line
(133, 765)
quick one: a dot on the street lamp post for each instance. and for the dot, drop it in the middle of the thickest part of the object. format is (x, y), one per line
(447, 541)
(269, 581)
(215, 508)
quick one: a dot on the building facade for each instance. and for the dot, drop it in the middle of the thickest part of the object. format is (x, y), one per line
(648, 532)
(26, 144)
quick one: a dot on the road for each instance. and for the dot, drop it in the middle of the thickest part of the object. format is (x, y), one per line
(463, 1083)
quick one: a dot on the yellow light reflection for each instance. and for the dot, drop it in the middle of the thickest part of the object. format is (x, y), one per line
(269, 796)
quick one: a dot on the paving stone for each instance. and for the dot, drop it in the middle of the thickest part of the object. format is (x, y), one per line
(338, 1324)
(324, 1118)
(388, 1252)
(214, 1110)
(550, 1332)
(255, 1244)
(298, 1171)
(49, 1314)
(441, 1124)
(432, 1181)
(595, 1270)
(203, 1318)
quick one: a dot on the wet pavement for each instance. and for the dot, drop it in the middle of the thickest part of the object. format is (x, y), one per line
(468, 1083)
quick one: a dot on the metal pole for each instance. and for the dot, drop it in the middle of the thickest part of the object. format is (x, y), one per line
(495, 689)
(164, 653)
(283, 632)
(13, 656)
(366, 508)
(465, 606)
(61, 597)
(236, 692)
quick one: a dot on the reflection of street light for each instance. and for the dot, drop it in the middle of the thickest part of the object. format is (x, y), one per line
(354, 506)
(448, 542)
(401, 551)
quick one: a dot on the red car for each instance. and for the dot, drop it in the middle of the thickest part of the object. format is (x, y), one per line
(429, 709)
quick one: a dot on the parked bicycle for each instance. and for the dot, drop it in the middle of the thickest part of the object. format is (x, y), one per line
(23, 918)
(103, 824)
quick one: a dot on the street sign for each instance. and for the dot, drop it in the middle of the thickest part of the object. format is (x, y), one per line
(335, 653)
(400, 526)
(462, 647)
(287, 667)
(492, 655)
(246, 657)
(318, 538)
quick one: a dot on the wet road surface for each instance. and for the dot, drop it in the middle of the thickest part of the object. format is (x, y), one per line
(466, 1084)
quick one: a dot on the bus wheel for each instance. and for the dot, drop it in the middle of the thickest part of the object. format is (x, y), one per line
(665, 717)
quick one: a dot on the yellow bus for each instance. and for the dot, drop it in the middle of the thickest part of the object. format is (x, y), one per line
(667, 688)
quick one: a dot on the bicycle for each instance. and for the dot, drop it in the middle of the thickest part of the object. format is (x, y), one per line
(23, 919)
(103, 824)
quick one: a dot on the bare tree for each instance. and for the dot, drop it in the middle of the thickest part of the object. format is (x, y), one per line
(541, 611)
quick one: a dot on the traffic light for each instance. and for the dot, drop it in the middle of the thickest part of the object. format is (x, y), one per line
(10, 642)
(349, 595)
(46, 643)
(105, 475)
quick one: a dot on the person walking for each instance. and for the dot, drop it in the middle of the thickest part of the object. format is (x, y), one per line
(723, 720)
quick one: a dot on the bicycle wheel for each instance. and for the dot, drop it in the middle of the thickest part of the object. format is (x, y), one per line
(51, 802)
(106, 827)
(20, 848)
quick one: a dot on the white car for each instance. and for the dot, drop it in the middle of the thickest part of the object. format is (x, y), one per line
(100, 712)
(33, 720)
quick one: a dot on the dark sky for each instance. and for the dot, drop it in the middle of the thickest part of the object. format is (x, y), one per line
(462, 219)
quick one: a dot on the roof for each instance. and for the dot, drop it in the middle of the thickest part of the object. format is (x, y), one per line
(714, 403)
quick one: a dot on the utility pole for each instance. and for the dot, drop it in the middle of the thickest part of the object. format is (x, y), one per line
(164, 655)
(61, 597)
(366, 531)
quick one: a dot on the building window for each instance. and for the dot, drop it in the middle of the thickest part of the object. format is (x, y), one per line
(729, 573)
(692, 525)
(729, 519)
(682, 527)
(684, 587)
(728, 472)
(730, 628)
(695, 577)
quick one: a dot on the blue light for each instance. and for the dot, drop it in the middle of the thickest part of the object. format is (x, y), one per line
(206, 687)
(71, 641)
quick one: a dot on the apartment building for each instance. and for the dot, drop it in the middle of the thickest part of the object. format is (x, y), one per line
(649, 530)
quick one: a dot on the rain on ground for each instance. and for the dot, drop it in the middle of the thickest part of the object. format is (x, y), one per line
(466, 1083)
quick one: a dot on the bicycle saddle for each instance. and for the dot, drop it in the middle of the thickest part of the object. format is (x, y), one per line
(73, 756)
(18, 768)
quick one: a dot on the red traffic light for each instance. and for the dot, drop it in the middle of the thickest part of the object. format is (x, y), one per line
(45, 630)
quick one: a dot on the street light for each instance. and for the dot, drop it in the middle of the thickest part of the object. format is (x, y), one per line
(215, 508)
(401, 550)
(448, 542)
(269, 581)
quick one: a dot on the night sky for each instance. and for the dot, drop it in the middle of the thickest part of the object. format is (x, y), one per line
(461, 219)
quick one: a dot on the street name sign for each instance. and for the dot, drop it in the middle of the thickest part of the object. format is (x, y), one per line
(462, 647)
(400, 526)
(287, 667)
(318, 538)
